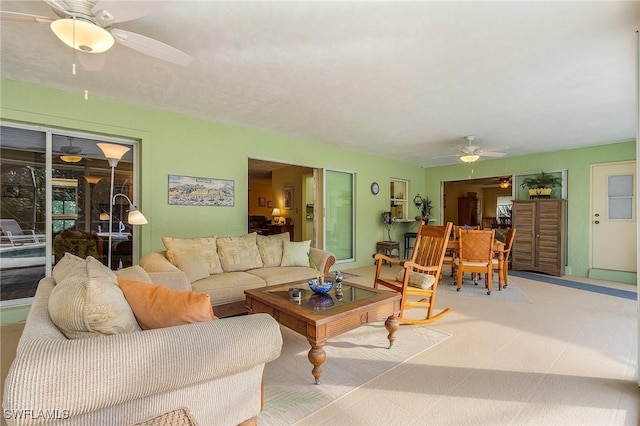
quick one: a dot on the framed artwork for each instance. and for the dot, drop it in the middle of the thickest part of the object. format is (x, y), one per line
(287, 197)
(200, 191)
(269, 204)
(262, 202)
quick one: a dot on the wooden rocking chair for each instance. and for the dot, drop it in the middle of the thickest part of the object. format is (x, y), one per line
(420, 274)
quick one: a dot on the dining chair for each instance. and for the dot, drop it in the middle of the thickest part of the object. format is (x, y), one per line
(450, 255)
(502, 272)
(418, 279)
(475, 255)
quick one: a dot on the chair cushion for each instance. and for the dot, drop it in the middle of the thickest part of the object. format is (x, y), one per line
(90, 305)
(156, 306)
(457, 261)
(296, 253)
(207, 245)
(417, 279)
(238, 254)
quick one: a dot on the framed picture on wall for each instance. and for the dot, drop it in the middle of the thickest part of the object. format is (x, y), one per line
(269, 204)
(262, 202)
(287, 197)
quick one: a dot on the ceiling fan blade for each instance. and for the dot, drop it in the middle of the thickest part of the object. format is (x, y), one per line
(151, 47)
(25, 17)
(91, 61)
(122, 11)
(59, 5)
(492, 154)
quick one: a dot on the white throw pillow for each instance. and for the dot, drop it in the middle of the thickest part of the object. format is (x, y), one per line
(296, 253)
(270, 248)
(70, 264)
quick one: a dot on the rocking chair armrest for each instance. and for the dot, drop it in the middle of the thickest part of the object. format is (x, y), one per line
(379, 256)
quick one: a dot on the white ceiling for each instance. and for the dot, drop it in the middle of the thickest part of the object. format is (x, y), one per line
(403, 80)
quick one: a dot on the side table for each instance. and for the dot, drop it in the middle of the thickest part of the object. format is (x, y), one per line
(387, 248)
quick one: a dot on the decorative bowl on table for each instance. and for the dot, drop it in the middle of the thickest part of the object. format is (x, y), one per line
(316, 287)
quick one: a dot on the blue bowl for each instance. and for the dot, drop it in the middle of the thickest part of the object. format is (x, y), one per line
(320, 288)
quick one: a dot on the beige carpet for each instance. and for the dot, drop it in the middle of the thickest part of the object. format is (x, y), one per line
(353, 359)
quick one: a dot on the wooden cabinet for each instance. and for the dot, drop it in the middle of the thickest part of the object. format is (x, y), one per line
(540, 243)
(468, 211)
(281, 229)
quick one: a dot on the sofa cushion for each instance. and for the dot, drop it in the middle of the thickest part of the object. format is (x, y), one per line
(270, 248)
(207, 245)
(283, 274)
(156, 306)
(192, 263)
(228, 287)
(90, 305)
(295, 253)
(239, 253)
(69, 265)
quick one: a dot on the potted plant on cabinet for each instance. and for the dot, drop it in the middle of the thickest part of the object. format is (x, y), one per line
(541, 184)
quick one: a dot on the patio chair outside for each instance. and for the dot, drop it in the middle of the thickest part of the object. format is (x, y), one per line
(12, 232)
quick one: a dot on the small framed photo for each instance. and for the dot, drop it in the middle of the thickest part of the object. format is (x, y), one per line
(262, 202)
(287, 197)
(269, 204)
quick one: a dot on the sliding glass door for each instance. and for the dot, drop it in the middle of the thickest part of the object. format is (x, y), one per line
(55, 188)
(339, 214)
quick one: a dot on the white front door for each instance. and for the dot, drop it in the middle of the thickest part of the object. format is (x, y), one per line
(613, 216)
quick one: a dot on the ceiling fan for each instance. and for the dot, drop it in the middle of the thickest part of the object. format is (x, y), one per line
(471, 153)
(85, 25)
(70, 153)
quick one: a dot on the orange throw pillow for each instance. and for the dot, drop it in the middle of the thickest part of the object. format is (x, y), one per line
(156, 306)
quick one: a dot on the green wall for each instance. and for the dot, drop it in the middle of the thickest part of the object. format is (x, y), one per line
(177, 144)
(578, 164)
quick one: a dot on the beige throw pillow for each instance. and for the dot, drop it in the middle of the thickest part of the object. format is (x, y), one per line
(207, 246)
(239, 253)
(90, 306)
(296, 253)
(70, 264)
(270, 248)
(135, 273)
(191, 262)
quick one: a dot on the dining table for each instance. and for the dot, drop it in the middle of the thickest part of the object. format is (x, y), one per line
(498, 248)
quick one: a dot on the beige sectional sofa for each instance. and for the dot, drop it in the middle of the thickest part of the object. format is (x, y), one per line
(83, 360)
(224, 267)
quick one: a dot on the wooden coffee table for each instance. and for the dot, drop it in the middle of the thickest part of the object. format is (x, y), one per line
(319, 317)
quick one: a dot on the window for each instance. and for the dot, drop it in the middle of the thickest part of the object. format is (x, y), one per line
(504, 207)
(55, 183)
(398, 204)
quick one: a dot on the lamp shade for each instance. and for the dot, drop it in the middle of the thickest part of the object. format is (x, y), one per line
(70, 158)
(113, 152)
(136, 217)
(104, 215)
(92, 180)
(82, 35)
(469, 158)
(275, 212)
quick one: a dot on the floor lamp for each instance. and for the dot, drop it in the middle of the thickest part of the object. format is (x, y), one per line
(113, 153)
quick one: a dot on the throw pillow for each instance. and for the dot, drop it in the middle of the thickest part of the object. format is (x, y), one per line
(296, 253)
(135, 272)
(90, 305)
(239, 253)
(270, 248)
(191, 262)
(69, 265)
(207, 245)
(417, 279)
(156, 306)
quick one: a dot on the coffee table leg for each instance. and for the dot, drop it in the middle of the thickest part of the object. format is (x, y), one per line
(317, 355)
(391, 324)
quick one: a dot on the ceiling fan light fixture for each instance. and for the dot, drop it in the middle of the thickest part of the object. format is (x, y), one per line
(505, 183)
(85, 37)
(469, 158)
(70, 158)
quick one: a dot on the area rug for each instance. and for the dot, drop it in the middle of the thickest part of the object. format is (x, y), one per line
(511, 293)
(353, 359)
